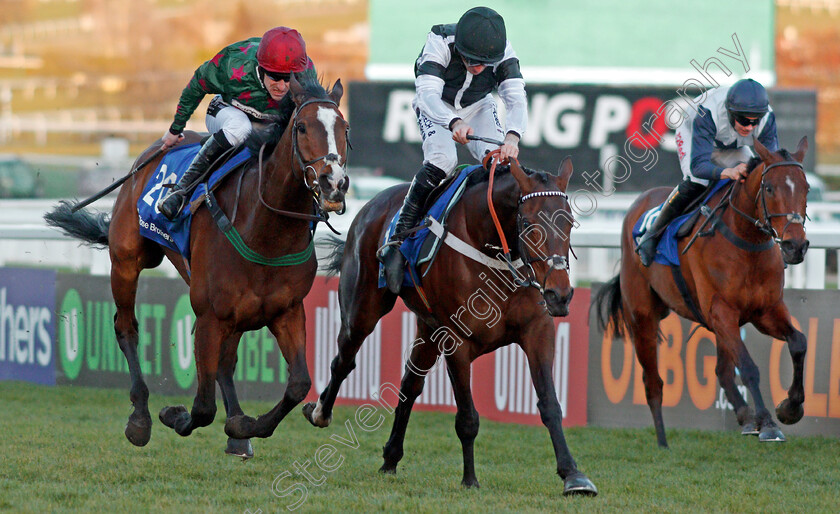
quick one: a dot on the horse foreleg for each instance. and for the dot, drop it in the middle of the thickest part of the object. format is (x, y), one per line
(538, 344)
(227, 366)
(725, 323)
(466, 419)
(124, 277)
(209, 334)
(290, 331)
(421, 361)
(776, 323)
(725, 371)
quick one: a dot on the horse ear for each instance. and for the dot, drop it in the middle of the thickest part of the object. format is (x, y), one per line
(336, 92)
(564, 173)
(296, 90)
(799, 155)
(520, 176)
(762, 151)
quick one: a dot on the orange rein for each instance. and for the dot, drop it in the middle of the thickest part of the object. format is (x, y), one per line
(494, 155)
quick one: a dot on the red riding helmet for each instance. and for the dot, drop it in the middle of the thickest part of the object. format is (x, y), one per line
(282, 50)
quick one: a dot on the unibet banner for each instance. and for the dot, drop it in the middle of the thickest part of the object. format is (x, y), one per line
(89, 353)
(692, 396)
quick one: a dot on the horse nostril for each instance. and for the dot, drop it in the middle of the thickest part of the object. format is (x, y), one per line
(344, 184)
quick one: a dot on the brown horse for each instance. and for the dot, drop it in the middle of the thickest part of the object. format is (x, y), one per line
(229, 294)
(734, 277)
(534, 212)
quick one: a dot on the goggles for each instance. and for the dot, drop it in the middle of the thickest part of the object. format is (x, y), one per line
(276, 76)
(746, 120)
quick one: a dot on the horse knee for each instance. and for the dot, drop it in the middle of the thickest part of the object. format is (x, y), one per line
(341, 367)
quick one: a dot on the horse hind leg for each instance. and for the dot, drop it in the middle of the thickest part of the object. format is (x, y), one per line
(124, 276)
(227, 365)
(420, 362)
(359, 316)
(645, 337)
(466, 419)
(209, 335)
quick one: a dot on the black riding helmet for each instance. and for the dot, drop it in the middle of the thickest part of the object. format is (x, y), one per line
(480, 36)
(746, 98)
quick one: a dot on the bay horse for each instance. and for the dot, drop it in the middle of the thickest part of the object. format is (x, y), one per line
(229, 294)
(532, 208)
(733, 276)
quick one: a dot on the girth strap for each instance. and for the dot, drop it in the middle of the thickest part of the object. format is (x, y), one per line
(686, 294)
(235, 239)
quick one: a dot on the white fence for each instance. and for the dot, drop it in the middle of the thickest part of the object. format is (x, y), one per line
(26, 240)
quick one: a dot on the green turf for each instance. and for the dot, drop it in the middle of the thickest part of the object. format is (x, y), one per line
(63, 450)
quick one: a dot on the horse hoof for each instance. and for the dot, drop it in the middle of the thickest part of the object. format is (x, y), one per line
(578, 484)
(770, 433)
(241, 427)
(138, 430)
(314, 416)
(469, 484)
(388, 470)
(749, 428)
(240, 448)
(788, 413)
(170, 415)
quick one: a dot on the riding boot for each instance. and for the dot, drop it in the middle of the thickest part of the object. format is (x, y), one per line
(390, 255)
(172, 205)
(677, 201)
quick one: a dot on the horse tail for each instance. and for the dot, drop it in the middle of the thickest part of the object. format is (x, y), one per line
(608, 307)
(91, 228)
(331, 263)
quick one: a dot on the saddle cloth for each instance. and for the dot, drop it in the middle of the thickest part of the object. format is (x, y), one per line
(419, 248)
(153, 224)
(667, 251)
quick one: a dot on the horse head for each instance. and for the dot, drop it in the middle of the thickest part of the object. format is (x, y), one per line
(781, 198)
(544, 221)
(320, 140)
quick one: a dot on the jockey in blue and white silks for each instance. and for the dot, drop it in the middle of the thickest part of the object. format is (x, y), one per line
(458, 68)
(714, 143)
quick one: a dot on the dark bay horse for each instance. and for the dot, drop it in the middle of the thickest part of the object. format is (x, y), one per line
(534, 213)
(734, 277)
(229, 294)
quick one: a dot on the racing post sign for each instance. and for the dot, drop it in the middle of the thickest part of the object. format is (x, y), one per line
(619, 138)
(692, 397)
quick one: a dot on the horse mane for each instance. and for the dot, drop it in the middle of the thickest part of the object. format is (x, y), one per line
(482, 176)
(271, 135)
(756, 160)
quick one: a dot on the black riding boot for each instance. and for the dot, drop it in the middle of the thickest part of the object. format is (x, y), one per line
(677, 201)
(174, 202)
(424, 182)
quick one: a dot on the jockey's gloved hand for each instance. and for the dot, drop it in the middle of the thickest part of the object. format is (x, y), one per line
(510, 148)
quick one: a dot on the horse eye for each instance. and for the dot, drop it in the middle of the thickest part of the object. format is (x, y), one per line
(526, 223)
(301, 128)
(769, 189)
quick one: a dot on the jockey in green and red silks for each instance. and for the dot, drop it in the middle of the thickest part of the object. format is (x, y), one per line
(250, 80)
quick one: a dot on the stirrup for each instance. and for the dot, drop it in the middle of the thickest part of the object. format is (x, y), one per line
(380, 253)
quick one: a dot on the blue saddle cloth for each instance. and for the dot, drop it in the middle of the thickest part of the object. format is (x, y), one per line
(414, 249)
(667, 251)
(153, 224)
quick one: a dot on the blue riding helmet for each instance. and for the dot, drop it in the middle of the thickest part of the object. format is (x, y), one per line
(746, 98)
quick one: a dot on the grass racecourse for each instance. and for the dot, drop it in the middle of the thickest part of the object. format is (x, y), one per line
(63, 450)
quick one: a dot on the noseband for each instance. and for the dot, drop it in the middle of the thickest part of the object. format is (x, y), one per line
(765, 225)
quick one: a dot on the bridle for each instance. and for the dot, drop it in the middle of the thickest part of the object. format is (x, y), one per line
(553, 262)
(314, 188)
(763, 223)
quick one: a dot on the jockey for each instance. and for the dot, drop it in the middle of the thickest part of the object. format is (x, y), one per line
(250, 79)
(458, 68)
(713, 144)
